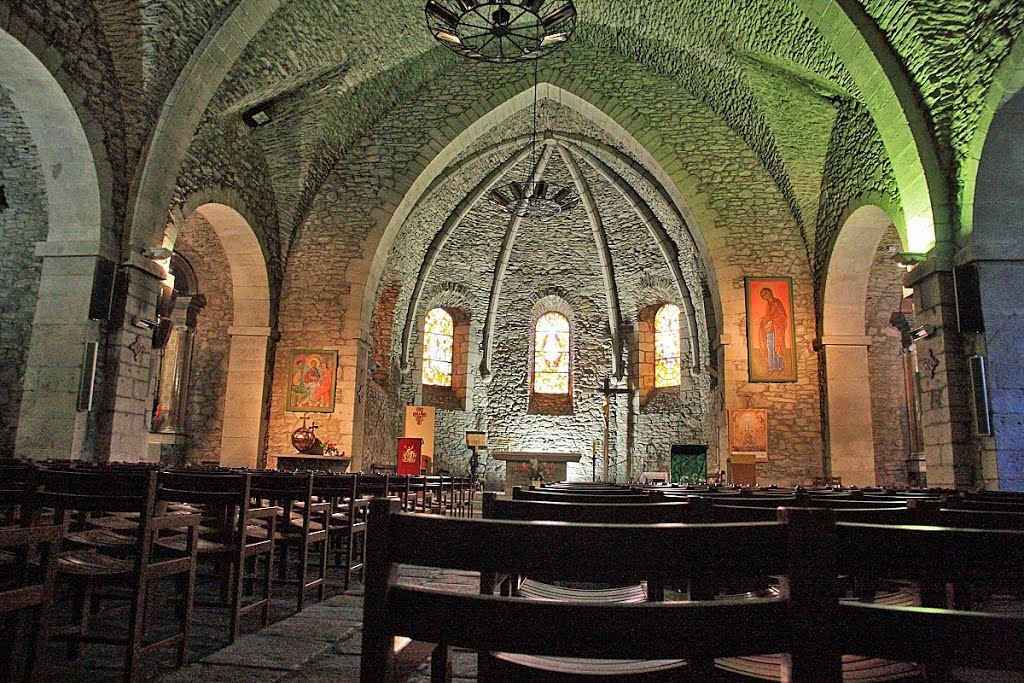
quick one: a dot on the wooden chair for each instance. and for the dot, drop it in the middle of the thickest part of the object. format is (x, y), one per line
(304, 522)
(592, 513)
(27, 586)
(603, 498)
(223, 499)
(657, 637)
(347, 520)
(73, 493)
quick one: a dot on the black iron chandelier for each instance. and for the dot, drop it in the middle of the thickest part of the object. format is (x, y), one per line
(494, 31)
(533, 198)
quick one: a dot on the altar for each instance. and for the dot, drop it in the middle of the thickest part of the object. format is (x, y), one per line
(554, 465)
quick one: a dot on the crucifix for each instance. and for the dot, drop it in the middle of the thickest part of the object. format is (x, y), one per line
(608, 392)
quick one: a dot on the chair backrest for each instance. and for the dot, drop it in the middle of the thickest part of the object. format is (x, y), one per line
(596, 513)
(282, 488)
(936, 637)
(591, 552)
(370, 485)
(612, 499)
(335, 486)
(98, 490)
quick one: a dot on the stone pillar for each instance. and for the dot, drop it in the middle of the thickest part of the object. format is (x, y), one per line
(945, 386)
(849, 437)
(175, 364)
(353, 361)
(49, 424)
(243, 438)
(1002, 457)
(123, 432)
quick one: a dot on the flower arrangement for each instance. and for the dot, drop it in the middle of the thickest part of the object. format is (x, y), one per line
(331, 449)
(534, 469)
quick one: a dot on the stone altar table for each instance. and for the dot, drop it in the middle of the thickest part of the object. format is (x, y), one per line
(514, 470)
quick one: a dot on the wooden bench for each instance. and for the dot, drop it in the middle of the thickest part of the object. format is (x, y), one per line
(593, 513)
(660, 635)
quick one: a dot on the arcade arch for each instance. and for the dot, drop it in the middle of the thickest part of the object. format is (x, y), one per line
(244, 424)
(50, 424)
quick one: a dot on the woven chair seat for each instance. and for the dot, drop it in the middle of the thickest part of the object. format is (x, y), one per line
(101, 538)
(90, 562)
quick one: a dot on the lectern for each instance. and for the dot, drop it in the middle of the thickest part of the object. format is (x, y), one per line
(743, 469)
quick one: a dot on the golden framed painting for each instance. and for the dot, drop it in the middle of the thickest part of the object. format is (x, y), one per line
(312, 379)
(771, 330)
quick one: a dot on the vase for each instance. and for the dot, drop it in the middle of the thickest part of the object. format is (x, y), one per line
(535, 483)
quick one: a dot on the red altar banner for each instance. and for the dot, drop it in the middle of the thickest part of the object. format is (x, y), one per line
(410, 456)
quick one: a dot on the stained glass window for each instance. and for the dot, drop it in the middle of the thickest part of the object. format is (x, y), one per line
(551, 354)
(667, 361)
(438, 339)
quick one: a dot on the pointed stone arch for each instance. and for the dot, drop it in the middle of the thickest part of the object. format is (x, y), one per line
(629, 130)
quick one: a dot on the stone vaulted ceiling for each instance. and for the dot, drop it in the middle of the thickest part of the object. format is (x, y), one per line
(329, 70)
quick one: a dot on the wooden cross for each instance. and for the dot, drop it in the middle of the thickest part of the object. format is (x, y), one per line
(608, 392)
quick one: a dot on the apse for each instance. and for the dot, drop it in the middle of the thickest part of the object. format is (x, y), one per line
(545, 311)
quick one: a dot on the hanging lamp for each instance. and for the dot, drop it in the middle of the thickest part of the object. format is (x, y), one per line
(501, 31)
(533, 198)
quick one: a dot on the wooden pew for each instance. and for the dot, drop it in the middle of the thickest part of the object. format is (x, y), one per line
(938, 637)
(519, 493)
(661, 635)
(593, 513)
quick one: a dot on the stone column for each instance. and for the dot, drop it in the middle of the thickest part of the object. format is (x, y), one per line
(123, 432)
(353, 361)
(49, 424)
(849, 438)
(945, 386)
(243, 438)
(1000, 271)
(175, 363)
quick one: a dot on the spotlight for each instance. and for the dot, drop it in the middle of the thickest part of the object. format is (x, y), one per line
(158, 253)
(257, 117)
(922, 332)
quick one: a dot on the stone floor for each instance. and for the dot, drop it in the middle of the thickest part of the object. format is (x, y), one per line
(320, 643)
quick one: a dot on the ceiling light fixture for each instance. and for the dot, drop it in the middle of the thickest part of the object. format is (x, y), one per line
(494, 31)
(257, 117)
(533, 198)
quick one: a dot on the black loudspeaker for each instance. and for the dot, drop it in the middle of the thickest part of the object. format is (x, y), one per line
(102, 289)
(968, 299)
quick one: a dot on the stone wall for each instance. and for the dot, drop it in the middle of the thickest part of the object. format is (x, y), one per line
(199, 245)
(22, 224)
(889, 419)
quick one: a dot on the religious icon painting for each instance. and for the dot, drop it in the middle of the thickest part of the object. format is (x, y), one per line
(771, 330)
(748, 432)
(312, 378)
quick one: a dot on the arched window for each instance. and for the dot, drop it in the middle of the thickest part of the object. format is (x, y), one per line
(551, 354)
(667, 354)
(438, 340)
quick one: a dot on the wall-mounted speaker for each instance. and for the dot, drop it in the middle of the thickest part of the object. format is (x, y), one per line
(969, 317)
(102, 289)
